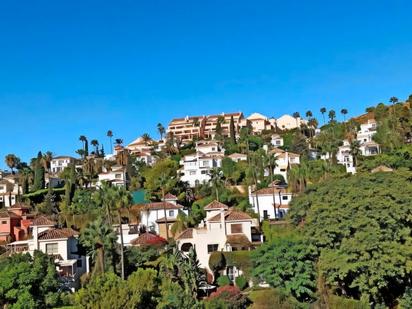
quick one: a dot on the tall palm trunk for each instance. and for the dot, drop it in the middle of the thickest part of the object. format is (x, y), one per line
(121, 243)
(164, 211)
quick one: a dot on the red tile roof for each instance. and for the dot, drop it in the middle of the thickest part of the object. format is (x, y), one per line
(42, 220)
(232, 215)
(8, 214)
(269, 191)
(187, 233)
(216, 205)
(238, 240)
(20, 206)
(170, 196)
(148, 239)
(157, 206)
(57, 234)
(169, 220)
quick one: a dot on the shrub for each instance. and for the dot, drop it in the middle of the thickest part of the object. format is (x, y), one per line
(216, 261)
(231, 296)
(223, 280)
(241, 282)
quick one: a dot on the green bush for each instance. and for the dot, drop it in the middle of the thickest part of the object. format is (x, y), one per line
(217, 261)
(241, 282)
(223, 280)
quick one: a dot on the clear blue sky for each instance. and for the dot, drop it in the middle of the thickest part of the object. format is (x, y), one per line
(82, 67)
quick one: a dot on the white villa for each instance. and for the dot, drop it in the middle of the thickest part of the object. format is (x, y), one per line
(237, 157)
(258, 122)
(270, 203)
(152, 215)
(61, 244)
(288, 122)
(117, 176)
(223, 229)
(345, 158)
(58, 164)
(196, 167)
(364, 136)
(284, 161)
(277, 140)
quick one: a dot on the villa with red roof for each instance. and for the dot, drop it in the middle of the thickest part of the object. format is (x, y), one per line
(223, 229)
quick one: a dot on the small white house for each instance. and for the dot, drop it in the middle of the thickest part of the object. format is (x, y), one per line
(117, 176)
(345, 158)
(237, 157)
(61, 244)
(284, 161)
(270, 203)
(224, 229)
(58, 164)
(153, 214)
(277, 140)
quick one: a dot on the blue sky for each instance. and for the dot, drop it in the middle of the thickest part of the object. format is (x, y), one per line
(69, 68)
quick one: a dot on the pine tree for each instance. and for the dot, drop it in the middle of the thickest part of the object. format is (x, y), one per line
(232, 130)
(38, 173)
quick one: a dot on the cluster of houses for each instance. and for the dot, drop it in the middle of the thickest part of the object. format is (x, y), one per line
(223, 229)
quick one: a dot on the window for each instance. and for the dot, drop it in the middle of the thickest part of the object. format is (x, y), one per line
(265, 214)
(1, 188)
(186, 247)
(203, 172)
(118, 176)
(230, 273)
(212, 248)
(205, 163)
(285, 197)
(236, 228)
(171, 213)
(52, 248)
(192, 173)
(3, 222)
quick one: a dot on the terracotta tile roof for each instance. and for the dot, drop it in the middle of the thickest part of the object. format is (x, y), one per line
(20, 206)
(232, 215)
(148, 239)
(42, 220)
(237, 155)
(186, 234)
(268, 191)
(238, 240)
(157, 206)
(216, 205)
(8, 214)
(57, 234)
(169, 220)
(170, 196)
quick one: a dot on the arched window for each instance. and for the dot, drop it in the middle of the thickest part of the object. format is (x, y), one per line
(186, 247)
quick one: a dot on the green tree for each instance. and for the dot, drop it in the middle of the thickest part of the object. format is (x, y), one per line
(232, 130)
(99, 239)
(95, 144)
(344, 112)
(109, 134)
(216, 180)
(12, 161)
(323, 111)
(161, 130)
(287, 263)
(38, 173)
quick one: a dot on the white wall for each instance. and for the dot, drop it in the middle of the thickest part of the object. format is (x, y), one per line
(266, 204)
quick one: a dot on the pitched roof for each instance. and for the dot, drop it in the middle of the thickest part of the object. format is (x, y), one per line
(186, 234)
(237, 155)
(148, 239)
(170, 196)
(57, 234)
(268, 191)
(232, 215)
(43, 220)
(257, 116)
(169, 220)
(8, 214)
(158, 205)
(382, 168)
(238, 240)
(215, 205)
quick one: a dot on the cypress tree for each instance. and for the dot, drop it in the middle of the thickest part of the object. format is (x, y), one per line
(38, 173)
(232, 130)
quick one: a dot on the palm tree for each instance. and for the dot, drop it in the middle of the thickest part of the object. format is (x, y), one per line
(355, 151)
(216, 180)
(165, 182)
(95, 144)
(98, 238)
(47, 158)
(109, 134)
(323, 111)
(161, 130)
(80, 152)
(296, 115)
(83, 139)
(344, 112)
(271, 163)
(146, 137)
(393, 100)
(332, 115)
(309, 114)
(12, 161)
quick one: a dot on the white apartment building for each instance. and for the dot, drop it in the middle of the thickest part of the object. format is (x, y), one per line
(284, 161)
(365, 137)
(196, 167)
(61, 244)
(223, 229)
(58, 164)
(270, 203)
